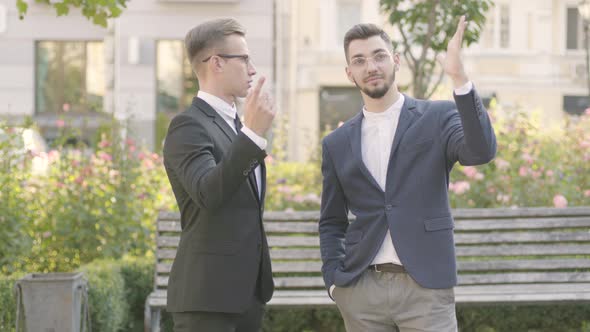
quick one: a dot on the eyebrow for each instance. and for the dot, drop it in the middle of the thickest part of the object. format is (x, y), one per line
(359, 55)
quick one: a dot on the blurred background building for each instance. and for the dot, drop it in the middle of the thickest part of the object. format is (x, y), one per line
(531, 55)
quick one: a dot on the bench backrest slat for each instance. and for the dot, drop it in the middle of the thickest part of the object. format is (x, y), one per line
(493, 246)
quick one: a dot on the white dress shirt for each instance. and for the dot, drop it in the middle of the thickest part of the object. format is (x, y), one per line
(229, 113)
(377, 132)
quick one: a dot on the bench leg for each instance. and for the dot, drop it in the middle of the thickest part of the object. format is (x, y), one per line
(151, 318)
(156, 315)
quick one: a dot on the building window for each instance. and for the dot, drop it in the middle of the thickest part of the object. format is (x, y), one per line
(496, 33)
(349, 14)
(575, 32)
(338, 105)
(69, 76)
(176, 83)
(575, 105)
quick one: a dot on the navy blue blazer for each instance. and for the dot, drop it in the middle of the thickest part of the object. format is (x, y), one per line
(430, 137)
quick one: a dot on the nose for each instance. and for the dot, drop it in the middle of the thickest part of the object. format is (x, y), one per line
(251, 68)
(371, 65)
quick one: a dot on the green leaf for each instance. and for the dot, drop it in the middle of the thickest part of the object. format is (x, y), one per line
(22, 7)
(61, 8)
(100, 19)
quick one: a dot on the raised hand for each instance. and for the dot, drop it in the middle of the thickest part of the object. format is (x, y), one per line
(259, 110)
(452, 63)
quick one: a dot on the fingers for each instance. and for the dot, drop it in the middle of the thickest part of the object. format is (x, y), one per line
(258, 87)
(461, 27)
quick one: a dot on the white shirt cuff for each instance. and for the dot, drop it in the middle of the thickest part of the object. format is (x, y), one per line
(465, 89)
(260, 141)
(331, 290)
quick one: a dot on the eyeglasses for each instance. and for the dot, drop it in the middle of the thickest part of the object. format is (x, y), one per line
(378, 58)
(244, 57)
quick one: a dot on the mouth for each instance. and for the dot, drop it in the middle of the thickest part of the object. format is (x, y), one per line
(373, 79)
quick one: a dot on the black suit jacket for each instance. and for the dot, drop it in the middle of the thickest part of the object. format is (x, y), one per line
(223, 252)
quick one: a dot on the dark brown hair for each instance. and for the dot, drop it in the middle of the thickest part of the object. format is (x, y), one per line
(364, 31)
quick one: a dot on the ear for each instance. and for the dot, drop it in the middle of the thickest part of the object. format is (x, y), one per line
(349, 74)
(396, 61)
(216, 65)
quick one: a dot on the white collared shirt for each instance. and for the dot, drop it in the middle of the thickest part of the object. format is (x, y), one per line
(228, 113)
(377, 132)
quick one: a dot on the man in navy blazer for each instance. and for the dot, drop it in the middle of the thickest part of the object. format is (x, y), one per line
(394, 266)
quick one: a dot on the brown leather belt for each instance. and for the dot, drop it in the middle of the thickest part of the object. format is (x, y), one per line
(387, 267)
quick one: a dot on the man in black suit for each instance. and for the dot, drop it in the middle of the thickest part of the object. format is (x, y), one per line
(221, 276)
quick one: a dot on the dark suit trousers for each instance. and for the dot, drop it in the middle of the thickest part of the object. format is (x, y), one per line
(197, 321)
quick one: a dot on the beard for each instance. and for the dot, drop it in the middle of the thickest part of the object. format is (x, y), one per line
(378, 92)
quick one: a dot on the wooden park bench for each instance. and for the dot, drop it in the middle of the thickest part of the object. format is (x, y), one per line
(505, 256)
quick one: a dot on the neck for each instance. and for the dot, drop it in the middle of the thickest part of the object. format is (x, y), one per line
(217, 91)
(381, 104)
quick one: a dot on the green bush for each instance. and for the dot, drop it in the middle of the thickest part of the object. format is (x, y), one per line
(109, 309)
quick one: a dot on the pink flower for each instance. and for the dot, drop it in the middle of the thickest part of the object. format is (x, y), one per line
(459, 187)
(103, 144)
(141, 156)
(523, 171)
(503, 198)
(53, 155)
(105, 156)
(65, 107)
(46, 234)
(470, 171)
(528, 158)
(491, 190)
(79, 180)
(60, 123)
(559, 201)
(75, 163)
(536, 174)
(585, 144)
(587, 193)
(587, 111)
(269, 159)
(131, 148)
(479, 176)
(130, 142)
(501, 163)
(549, 173)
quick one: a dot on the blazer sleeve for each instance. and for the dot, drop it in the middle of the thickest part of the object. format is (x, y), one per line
(466, 132)
(333, 219)
(188, 152)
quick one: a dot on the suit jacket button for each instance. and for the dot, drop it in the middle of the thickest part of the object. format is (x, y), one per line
(245, 173)
(388, 207)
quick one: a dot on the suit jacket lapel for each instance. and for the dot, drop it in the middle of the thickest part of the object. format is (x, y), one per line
(219, 122)
(354, 135)
(229, 133)
(407, 116)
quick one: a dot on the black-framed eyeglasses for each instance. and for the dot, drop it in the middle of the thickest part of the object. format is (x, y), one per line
(244, 57)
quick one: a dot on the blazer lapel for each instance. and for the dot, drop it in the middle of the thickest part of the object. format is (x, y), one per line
(354, 135)
(262, 182)
(219, 122)
(229, 133)
(407, 116)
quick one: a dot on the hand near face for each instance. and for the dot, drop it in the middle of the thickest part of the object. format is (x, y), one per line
(452, 63)
(259, 110)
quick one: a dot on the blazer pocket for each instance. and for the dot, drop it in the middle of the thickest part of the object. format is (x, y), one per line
(438, 224)
(353, 237)
(418, 146)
